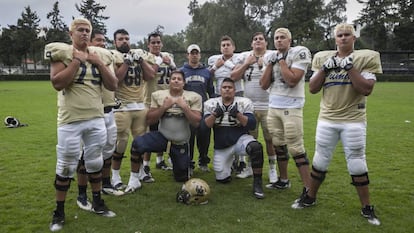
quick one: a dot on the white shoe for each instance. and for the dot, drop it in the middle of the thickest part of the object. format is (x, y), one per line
(247, 172)
(110, 190)
(116, 181)
(272, 175)
(133, 184)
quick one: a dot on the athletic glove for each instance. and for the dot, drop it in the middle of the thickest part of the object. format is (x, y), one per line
(347, 63)
(136, 57)
(233, 110)
(277, 56)
(128, 59)
(330, 64)
(218, 112)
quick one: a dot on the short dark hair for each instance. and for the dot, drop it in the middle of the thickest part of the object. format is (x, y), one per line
(229, 80)
(226, 37)
(259, 33)
(96, 32)
(177, 71)
(154, 34)
(120, 31)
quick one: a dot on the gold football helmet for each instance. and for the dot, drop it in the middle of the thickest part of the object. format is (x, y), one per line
(194, 192)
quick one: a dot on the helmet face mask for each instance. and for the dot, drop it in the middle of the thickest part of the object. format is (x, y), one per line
(194, 192)
(11, 122)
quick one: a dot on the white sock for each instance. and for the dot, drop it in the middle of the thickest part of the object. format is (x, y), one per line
(159, 159)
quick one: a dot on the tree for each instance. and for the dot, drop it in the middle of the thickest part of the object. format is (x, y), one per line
(27, 31)
(334, 13)
(212, 20)
(404, 29)
(59, 30)
(92, 11)
(378, 19)
(9, 53)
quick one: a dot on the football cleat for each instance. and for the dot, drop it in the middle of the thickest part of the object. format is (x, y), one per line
(279, 184)
(304, 201)
(83, 202)
(369, 214)
(57, 221)
(258, 189)
(101, 209)
(147, 178)
(110, 190)
(163, 166)
(245, 173)
(133, 185)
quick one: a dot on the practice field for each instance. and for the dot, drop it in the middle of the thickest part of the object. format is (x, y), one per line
(27, 171)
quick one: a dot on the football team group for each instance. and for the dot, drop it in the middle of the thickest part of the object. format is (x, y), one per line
(106, 96)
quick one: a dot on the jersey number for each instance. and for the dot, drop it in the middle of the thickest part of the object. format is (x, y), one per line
(96, 76)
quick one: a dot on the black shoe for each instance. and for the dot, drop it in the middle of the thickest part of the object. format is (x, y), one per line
(163, 166)
(304, 201)
(279, 184)
(240, 168)
(101, 209)
(148, 176)
(368, 212)
(257, 188)
(57, 221)
(83, 202)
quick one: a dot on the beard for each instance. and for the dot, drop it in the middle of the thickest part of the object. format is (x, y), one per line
(124, 48)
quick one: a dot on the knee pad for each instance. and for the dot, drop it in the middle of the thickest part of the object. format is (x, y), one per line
(360, 180)
(301, 160)
(357, 165)
(94, 165)
(255, 150)
(62, 187)
(318, 175)
(117, 156)
(225, 180)
(95, 177)
(282, 153)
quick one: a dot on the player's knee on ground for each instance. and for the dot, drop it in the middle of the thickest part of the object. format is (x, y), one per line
(282, 153)
(318, 174)
(255, 150)
(360, 180)
(62, 183)
(301, 160)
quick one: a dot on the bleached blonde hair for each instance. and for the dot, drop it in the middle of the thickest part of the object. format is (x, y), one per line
(78, 21)
(344, 27)
(284, 31)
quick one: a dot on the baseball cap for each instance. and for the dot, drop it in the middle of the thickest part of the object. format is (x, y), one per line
(192, 47)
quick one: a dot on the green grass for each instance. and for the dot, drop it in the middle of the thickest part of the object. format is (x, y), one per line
(27, 168)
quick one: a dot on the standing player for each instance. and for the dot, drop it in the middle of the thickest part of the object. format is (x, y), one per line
(221, 65)
(108, 98)
(77, 73)
(347, 77)
(165, 64)
(133, 66)
(285, 76)
(175, 109)
(250, 67)
(198, 79)
(231, 118)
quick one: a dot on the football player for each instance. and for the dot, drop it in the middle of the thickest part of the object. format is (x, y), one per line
(250, 66)
(231, 118)
(108, 98)
(77, 72)
(347, 77)
(132, 67)
(175, 109)
(165, 64)
(221, 65)
(285, 76)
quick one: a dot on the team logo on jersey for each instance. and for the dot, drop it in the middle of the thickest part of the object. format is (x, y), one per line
(302, 55)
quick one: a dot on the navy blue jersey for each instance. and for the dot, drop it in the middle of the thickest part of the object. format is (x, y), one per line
(198, 80)
(227, 129)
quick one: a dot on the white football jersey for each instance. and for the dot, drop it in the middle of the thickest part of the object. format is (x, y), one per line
(244, 105)
(224, 71)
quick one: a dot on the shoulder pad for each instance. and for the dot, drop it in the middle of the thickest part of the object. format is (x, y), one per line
(104, 54)
(58, 51)
(320, 57)
(149, 57)
(301, 54)
(117, 56)
(367, 60)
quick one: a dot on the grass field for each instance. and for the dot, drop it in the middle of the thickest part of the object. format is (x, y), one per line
(27, 168)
